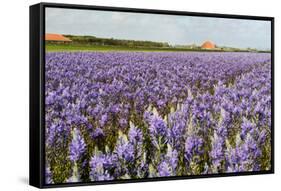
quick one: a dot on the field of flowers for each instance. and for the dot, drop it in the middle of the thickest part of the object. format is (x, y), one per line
(131, 115)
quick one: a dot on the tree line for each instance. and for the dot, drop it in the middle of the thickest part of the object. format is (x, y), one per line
(92, 40)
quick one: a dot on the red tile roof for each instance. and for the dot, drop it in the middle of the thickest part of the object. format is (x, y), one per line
(56, 37)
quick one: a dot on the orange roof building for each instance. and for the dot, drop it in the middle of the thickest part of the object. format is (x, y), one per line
(56, 37)
(208, 45)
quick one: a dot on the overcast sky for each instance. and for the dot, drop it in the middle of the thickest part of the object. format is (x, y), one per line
(162, 28)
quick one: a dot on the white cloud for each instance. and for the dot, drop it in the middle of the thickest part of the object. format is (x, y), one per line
(155, 27)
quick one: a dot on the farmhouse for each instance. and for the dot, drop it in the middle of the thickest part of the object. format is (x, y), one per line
(56, 38)
(208, 45)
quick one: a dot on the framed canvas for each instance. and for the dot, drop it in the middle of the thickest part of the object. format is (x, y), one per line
(120, 95)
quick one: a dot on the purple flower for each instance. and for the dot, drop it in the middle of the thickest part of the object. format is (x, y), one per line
(124, 149)
(250, 149)
(160, 103)
(246, 127)
(135, 135)
(196, 95)
(77, 146)
(262, 137)
(193, 147)
(177, 130)
(158, 127)
(103, 120)
(98, 132)
(123, 122)
(115, 109)
(56, 132)
(50, 98)
(164, 169)
(217, 152)
(100, 166)
(171, 158)
(226, 118)
(158, 131)
(245, 156)
(48, 175)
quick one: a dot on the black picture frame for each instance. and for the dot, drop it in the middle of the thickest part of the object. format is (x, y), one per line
(37, 92)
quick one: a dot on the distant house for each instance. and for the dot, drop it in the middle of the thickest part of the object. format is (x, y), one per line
(56, 38)
(208, 45)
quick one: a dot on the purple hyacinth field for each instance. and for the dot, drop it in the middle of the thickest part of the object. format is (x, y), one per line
(134, 115)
